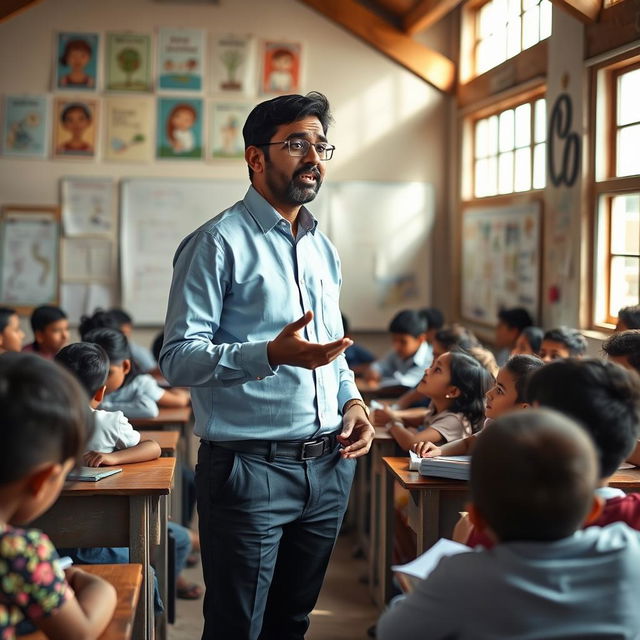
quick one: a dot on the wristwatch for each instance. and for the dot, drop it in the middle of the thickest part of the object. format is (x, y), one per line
(350, 403)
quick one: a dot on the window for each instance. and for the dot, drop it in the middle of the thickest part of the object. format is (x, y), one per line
(627, 123)
(504, 28)
(509, 150)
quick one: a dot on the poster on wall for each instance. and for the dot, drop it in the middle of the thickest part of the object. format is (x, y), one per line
(281, 67)
(128, 129)
(225, 129)
(25, 126)
(181, 59)
(128, 62)
(76, 63)
(179, 128)
(87, 206)
(233, 65)
(74, 128)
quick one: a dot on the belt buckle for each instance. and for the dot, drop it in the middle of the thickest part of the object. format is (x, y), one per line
(311, 444)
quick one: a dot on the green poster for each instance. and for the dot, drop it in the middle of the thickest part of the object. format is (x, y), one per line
(128, 62)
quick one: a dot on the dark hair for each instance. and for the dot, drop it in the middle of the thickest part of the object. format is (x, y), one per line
(456, 336)
(602, 396)
(116, 345)
(266, 117)
(156, 346)
(44, 414)
(100, 319)
(120, 317)
(73, 106)
(625, 344)
(575, 342)
(410, 322)
(88, 362)
(521, 368)
(533, 474)
(534, 337)
(516, 318)
(630, 316)
(435, 317)
(77, 43)
(473, 381)
(5, 315)
(45, 315)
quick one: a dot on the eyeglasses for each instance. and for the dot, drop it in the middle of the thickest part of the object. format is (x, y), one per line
(299, 147)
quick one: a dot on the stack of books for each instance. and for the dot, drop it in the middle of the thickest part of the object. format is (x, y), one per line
(454, 467)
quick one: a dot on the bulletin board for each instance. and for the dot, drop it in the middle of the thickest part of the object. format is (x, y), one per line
(500, 261)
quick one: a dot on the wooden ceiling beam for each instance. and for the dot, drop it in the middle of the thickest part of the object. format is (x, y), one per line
(587, 11)
(429, 65)
(426, 13)
(9, 8)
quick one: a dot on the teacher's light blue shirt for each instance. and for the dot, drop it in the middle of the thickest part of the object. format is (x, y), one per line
(237, 281)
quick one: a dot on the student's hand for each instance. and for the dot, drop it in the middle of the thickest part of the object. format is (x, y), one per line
(462, 529)
(289, 347)
(357, 433)
(97, 459)
(380, 417)
(427, 450)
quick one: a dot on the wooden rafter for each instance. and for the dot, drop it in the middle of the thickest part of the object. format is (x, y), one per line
(9, 8)
(426, 13)
(587, 11)
(429, 65)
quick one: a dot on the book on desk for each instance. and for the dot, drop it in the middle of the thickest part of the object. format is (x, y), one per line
(91, 474)
(454, 467)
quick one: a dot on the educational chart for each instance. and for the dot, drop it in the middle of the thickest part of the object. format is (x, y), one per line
(500, 261)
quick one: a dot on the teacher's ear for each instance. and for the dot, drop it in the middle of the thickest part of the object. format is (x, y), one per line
(255, 159)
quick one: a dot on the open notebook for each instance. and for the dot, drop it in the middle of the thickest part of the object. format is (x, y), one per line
(91, 474)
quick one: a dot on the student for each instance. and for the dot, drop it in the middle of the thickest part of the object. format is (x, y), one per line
(456, 384)
(528, 342)
(533, 475)
(435, 322)
(628, 318)
(623, 348)
(511, 322)
(11, 335)
(136, 395)
(507, 394)
(50, 331)
(562, 342)
(43, 421)
(142, 356)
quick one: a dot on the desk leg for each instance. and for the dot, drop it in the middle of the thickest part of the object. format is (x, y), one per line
(375, 509)
(162, 570)
(139, 546)
(386, 533)
(428, 520)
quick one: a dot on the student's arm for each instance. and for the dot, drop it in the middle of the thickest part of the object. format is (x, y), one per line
(462, 447)
(410, 417)
(406, 438)
(145, 450)
(174, 398)
(634, 458)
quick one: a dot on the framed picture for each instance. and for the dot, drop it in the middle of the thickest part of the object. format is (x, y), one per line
(181, 59)
(128, 62)
(74, 128)
(233, 65)
(29, 250)
(129, 129)
(76, 64)
(25, 130)
(225, 129)
(179, 128)
(281, 67)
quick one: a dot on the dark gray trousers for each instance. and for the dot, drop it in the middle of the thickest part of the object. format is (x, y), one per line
(267, 529)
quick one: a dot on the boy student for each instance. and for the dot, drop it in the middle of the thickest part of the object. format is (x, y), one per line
(628, 318)
(511, 322)
(561, 343)
(11, 335)
(50, 331)
(545, 578)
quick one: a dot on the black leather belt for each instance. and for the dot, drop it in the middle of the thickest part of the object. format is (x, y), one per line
(296, 449)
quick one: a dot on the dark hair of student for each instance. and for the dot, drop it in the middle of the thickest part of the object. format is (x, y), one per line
(602, 396)
(77, 43)
(534, 337)
(630, 316)
(624, 344)
(45, 315)
(516, 318)
(473, 381)
(410, 322)
(266, 117)
(88, 362)
(44, 414)
(521, 367)
(533, 474)
(156, 346)
(116, 345)
(456, 336)
(120, 317)
(575, 342)
(100, 319)
(5, 315)
(435, 317)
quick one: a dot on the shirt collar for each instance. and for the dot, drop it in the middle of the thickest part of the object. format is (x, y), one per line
(267, 217)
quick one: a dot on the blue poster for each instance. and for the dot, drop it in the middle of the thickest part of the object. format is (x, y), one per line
(24, 128)
(180, 128)
(77, 61)
(181, 59)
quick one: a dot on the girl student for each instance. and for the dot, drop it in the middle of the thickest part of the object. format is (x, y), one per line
(456, 384)
(44, 416)
(508, 393)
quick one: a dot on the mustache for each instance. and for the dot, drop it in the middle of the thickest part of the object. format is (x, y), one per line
(310, 168)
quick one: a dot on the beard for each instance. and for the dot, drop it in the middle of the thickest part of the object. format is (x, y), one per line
(297, 192)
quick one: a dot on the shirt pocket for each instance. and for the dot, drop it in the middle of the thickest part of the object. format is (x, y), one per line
(331, 317)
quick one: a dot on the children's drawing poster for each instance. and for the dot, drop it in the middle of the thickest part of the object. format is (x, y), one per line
(281, 67)
(76, 65)
(181, 59)
(500, 261)
(233, 65)
(128, 129)
(74, 128)
(128, 62)
(225, 129)
(25, 126)
(179, 128)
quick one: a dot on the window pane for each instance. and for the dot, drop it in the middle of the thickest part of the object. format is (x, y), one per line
(485, 21)
(506, 130)
(482, 134)
(540, 134)
(523, 169)
(483, 56)
(492, 147)
(624, 283)
(539, 166)
(629, 97)
(523, 125)
(628, 161)
(545, 19)
(530, 28)
(527, 4)
(505, 172)
(499, 45)
(625, 224)
(514, 9)
(481, 178)
(514, 37)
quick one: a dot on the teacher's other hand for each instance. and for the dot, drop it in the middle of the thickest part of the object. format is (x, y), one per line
(357, 433)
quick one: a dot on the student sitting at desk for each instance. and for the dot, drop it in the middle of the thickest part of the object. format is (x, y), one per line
(11, 335)
(562, 342)
(142, 356)
(533, 476)
(50, 331)
(43, 422)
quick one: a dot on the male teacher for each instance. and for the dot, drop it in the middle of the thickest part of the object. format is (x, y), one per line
(254, 328)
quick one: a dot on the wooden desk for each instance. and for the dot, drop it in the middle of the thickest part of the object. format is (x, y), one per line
(626, 479)
(168, 441)
(128, 509)
(127, 580)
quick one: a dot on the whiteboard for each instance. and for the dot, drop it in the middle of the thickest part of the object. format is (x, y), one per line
(500, 261)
